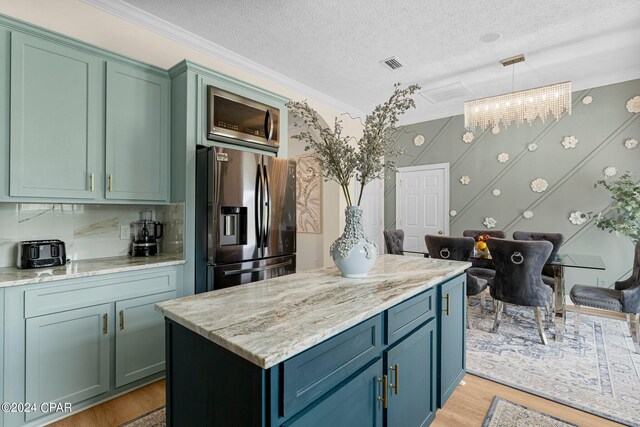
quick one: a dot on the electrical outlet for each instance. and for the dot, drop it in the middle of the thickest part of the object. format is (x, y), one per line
(125, 232)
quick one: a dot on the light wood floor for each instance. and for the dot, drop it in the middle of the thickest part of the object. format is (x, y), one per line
(467, 406)
(470, 402)
(119, 410)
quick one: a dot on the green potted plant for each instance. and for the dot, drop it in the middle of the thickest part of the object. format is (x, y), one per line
(624, 215)
(343, 158)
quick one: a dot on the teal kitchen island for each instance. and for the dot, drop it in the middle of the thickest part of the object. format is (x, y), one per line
(317, 349)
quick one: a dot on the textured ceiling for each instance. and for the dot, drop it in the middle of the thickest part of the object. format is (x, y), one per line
(335, 46)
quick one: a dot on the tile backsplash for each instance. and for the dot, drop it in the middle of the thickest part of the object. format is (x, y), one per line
(89, 231)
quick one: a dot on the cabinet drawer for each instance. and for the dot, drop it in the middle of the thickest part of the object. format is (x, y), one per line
(314, 372)
(408, 315)
(82, 293)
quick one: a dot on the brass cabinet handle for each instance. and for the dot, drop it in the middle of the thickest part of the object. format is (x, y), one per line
(395, 386)
(91, 181)
(105, 323)
(110, 183)
(385, 396)
(121, 320)
(446, 309)
(439, 231)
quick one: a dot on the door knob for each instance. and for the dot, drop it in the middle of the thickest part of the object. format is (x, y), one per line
(439, 231)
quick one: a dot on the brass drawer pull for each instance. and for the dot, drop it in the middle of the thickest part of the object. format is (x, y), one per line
(110, 183)
(91, 181)
(121, 320)
(385, 396)
(105, 323)
(446, 309)
(395, 386)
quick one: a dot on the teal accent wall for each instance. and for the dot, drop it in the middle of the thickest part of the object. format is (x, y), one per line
(601, 127)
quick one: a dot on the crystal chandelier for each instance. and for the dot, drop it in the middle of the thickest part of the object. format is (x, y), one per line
(525, 105)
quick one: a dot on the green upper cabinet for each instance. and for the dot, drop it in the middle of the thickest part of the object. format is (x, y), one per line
(56, 118)
(137, 134)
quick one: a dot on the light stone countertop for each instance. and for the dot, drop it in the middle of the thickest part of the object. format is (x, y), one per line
(13, 276)
(270, 321)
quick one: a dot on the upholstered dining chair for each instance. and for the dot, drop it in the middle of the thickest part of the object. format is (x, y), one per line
(556, 240)
(624, 298)
(460, 249)
(394, 241)
(518, 278)
(493, 233)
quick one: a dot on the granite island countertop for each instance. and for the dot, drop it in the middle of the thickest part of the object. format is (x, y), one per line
(270, 321)
(13, 276)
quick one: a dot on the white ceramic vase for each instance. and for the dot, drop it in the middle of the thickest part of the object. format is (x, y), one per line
(353, 253)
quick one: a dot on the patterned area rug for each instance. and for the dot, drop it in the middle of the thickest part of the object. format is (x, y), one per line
(597, 373)
(505, 413)
(156, 418)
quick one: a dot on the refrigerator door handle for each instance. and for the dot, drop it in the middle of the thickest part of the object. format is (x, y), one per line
(256, 269)
(258, 206)
(267, 205)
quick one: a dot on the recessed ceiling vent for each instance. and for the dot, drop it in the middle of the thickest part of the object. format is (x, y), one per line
(391, 63)
(445, 93)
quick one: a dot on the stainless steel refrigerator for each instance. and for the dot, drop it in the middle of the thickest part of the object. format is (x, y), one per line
(245, 217)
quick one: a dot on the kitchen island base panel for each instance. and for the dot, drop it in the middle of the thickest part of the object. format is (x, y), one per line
(210, 385)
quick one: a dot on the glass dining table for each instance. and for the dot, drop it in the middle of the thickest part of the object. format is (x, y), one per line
(559, 263)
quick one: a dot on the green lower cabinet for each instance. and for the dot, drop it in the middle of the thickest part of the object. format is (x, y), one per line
(411, 376)
(452, 336)
(67, 356)
(2, 335)
(139, 338)
(355, 403)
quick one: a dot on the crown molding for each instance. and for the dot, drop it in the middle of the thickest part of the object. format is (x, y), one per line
(146, 20)
(186, 65)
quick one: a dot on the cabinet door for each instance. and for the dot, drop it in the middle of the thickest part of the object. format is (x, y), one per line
(137, 134)
(355, 403)
(412, 379)
(452, 335)
(67, 356)
(139, 338)
(56, 97)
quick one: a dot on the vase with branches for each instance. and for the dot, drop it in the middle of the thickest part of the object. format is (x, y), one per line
(344, 159)
(623, 217)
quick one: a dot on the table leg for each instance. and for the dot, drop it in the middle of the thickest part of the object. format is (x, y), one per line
(559, 309)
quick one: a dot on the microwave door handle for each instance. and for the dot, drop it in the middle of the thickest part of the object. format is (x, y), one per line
(267, 205)
(257, 206)
(268, 125)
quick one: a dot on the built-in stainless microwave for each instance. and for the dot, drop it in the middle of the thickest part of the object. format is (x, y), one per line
(249, 122)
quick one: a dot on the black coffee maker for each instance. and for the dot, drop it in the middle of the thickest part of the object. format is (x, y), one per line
(146, 232)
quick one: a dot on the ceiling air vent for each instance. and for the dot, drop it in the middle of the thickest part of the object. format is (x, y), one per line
(391, 63)
(445, 93)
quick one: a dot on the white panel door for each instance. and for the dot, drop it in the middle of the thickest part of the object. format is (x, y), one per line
(372, 205)
(422, 203)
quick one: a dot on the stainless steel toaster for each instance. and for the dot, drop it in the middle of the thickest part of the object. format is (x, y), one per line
(41, 253)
